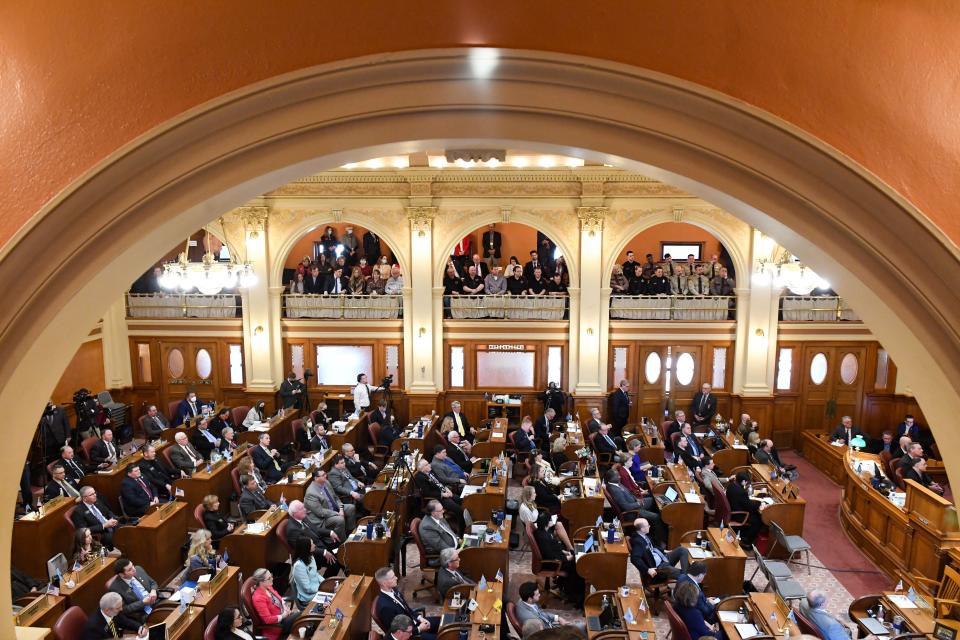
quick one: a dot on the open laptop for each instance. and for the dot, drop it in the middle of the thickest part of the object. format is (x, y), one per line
(586, 546)
(668, 496)
(606, 620)
(462, 614)
(55, 564)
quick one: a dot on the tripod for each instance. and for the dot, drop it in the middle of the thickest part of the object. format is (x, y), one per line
(400, 495)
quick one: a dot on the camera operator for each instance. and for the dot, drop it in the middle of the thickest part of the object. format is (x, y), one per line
(292, 392)
(54, 430)
(554, 398)
(91, 417)
(361, 392)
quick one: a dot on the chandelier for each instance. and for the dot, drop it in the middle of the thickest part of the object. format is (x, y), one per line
(208, 276)
(789, 273)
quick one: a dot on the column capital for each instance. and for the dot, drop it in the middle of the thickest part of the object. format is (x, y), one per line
(253, 217)
(421, 219)
(591, 218)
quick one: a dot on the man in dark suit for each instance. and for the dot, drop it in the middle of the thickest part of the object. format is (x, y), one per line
(523, 437)
(492, 242)
(534, 263)
(188, 408)
(292, 392)
(593, 425)
(183, 456)
(604, 443)
(680, 419)
(620, 407)
(221, 422)
(846, 431)
(154, 423)
(917, 471)
(108, 620)
(626, 501)
(137, 589)
(156, 472)
(885, 443)
(75, 469)
(267, 460)
(695, 447)
(449, 575)
(136, 493)
(908, 427)
(648, 558)
(251, 498)
(359, 467)
(337, 283)
(203, 440)
(380, 415)
(738, 495)
(458, 451)
(55, 429)
(541, 428)
(314, 282)
(704, 406)
(371, 247)
(695, 574)
(60, 485)
(460, 422)
(391, 603)
(104, 452)
(323, 539)
(483, 270)
(430, 486)
(95, 515)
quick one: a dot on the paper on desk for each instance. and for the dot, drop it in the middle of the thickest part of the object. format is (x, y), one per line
(740, 446)
(902, 601)
(729, 616)
(692, 498)
(175, 597)
(698, 554)
(204, 578)
(746, 630)
(254, 527)
(496, 434)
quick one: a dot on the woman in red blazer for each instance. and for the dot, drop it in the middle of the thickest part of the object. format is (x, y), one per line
(270, 607)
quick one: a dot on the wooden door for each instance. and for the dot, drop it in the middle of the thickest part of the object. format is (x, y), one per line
(686, 373)
(189, 366)
(832, 386)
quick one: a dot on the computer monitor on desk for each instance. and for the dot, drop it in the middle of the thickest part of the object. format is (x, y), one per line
(56, 565)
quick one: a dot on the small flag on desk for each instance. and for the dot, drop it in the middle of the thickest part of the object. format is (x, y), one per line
(498, 605)
(482, 585)
(643, 605)
(498, 537)
(499, 577)
(628, 616)
(472, 605)
(792, 617)
(599, 520)
(899, 585)
(226, 556)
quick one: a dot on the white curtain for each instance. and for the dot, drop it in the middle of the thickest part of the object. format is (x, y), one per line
(355, 307)
(640, 307)
(811, 309)
(508, 307)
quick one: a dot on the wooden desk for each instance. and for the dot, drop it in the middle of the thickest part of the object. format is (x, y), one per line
(823, 455)
(605, 569)
(155, 542)
(295, 490)
(729, 455)
(251, 551)
(215, 482)
(486, 612)
(42, 612)
(788, 508)
(584, 509)
(653, 450)
(355, 433)
(489, 499)
(89, 584)
(353, 598)
(186, 625)
(486, 559)
(642, 626)
(362, 556)
(494, 446)
(725, 565)
(281, 433)
(223, 590)
(686, 512)
(43, 536)
(107, 482)
(760, 606)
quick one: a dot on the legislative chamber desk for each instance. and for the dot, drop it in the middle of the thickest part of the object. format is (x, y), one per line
(89, 584)
(606, 567)
(765, 610)
(216, 482)
(686, 512)
(915, 539)
(726, 562)
(490, 556)
(155, 542)
(107, 481)
(642, 627)
(581, 501)
(487, 498)
(493, 446)
(295, 489)
(487, 611)
(281, 433)
(354, 598)
(222, 590)
(575, 439)
(356, 433)
(917, 614)
(726, 449)
(185, 625)
(255, 545)
(45, 535)
(42, 612)
(826, 457)
(788, 507)
(363, 556)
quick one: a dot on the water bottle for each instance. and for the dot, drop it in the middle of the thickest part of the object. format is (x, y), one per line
(370, 530)
(773, 473)
(209, 468)
(699, 538)
(880, 612)
(611, 533)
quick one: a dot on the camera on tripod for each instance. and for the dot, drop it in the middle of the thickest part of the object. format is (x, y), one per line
(387, 381)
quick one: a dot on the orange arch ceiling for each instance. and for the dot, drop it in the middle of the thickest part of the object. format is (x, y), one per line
(877, 81)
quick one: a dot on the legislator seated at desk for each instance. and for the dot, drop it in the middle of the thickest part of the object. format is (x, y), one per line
(190, 407)
(108, 621)
(267, 460)
(917, 471)
(435, 533)
(738, 495)
(431, 487)
(136, 587)
(551, 547)
(391, 603)
(324, 540)
(360, 467)
(136, 495)
(95, 515)
(528, 608)
(846, 431)
(76, 469)
(156, 473)
(183, 456)
(60, 485)
(252, 499)
(349, 489)
(450, 574)
(814, 609)
(647, 557)
(685, 602)
(104, 453)
(325, 509)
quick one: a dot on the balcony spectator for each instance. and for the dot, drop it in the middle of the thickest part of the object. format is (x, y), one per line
(492, 242)
(337, 283)
(394, 286)
(712, 268)
(691, 265)
(481, 267)
(371, 246)
(383, 266)
(350, 246)
(314, 283)
(637, 285)
(649, 267)
(537, 286)
(516, 285)
(329, 242)
(514, 262)
(669, 268)
(678, 281)
(472, 284)
(324, 266)
(533, 263)
(298, 285)
(659, 284)
(461, 254)
(618, 281)
(722, 284)
(357, 284)
(630, 265)
(376, 284)
(365, 268)
(698, 285)
(452, 284)
(546, 248)
(495, 284)
(555, 286)
(341, 263)
(560, 267)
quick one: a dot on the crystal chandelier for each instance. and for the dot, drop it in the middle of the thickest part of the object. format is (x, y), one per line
(787, 273)
(208, 276)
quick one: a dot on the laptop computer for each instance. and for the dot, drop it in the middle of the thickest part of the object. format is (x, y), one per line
(607, 619)
(586, 546)
(55, 564)
(462, 614)
(668, 496)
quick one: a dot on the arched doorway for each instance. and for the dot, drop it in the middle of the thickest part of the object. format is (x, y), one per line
(821, 206)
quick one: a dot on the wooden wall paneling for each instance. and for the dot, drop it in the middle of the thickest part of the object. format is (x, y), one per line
(785, 417)
(84, 371)
(815, 396)
(309, 357)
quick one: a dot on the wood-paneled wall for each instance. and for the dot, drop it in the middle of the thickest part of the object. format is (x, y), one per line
(84, 371)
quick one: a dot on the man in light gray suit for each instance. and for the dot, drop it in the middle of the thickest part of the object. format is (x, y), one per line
(324, 508)
(348, 489)
(529, 609)
(814, 609)
(449, 575)
(446, 470)
(435, 533)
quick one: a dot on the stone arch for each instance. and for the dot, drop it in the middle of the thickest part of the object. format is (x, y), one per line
(706, 220)
(571, 252)
(878, 250)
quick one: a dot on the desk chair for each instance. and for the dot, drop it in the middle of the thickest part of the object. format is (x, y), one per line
(452, 631)
(429, 573)
(210, 632)
(771, 568)
(541, 568)
(678, 629)
(793, 544)
(806, 625)
(246, 598)
(69, 626)
(514, 627)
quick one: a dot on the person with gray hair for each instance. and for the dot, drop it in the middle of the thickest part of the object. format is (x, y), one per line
(449, 574)
(435, 534)
(108, 621)
(460, 422)
(814, 609)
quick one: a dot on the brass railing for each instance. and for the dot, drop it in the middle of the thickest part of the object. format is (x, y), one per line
(816, 309)
(182, 305)
(664, 307)
(364, 307)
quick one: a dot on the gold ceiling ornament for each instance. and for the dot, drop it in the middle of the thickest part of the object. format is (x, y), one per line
(591, 219)
(421, 219)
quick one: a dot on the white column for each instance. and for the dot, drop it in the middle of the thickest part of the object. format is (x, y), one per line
(115, 340)
(573, 348)
(590, 379)
(756, 351)
(261, 320)
(426, 338)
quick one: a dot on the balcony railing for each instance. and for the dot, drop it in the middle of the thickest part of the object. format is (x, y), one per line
(816, 309)
(673, 307)
(182, 305)
(379, 307)
(506, 307)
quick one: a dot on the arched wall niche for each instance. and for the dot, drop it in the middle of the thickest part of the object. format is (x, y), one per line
(875, 247)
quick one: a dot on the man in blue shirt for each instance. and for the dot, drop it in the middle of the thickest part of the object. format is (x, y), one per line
(814, 610)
